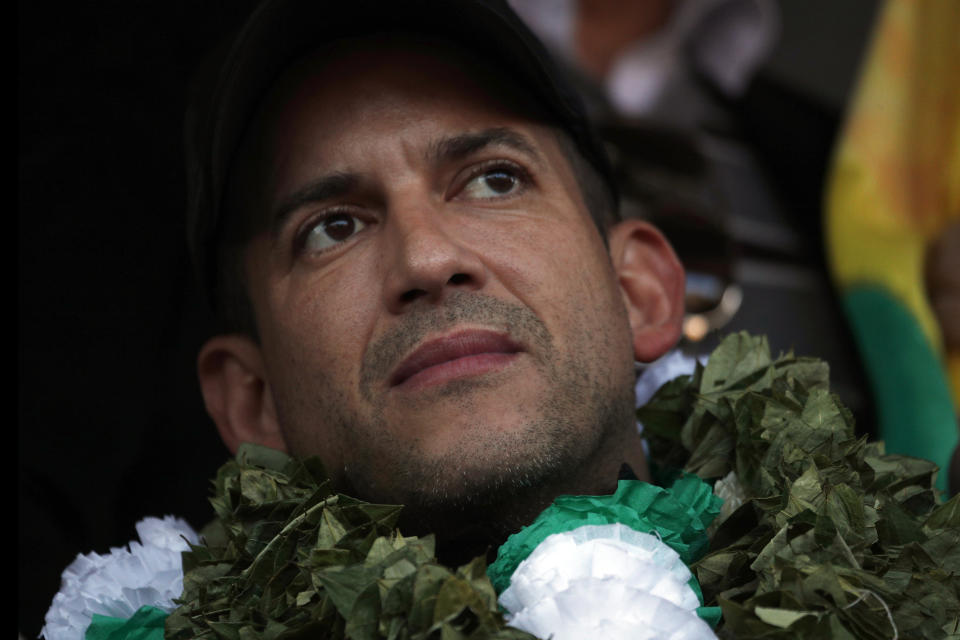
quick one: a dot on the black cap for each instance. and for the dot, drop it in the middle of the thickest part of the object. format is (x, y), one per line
(281, 31)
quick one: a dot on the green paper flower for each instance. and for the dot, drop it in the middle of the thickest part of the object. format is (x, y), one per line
(679, 514)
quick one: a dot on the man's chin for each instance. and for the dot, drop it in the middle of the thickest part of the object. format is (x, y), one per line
(475, 513)
(489, 483)
(484, 461)
(461, 481)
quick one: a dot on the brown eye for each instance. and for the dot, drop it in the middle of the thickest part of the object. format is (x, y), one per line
(331, 231)
(493, 183)
(499, 182)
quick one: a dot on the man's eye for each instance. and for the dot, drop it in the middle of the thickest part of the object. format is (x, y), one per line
(493, 183)
(331, 231)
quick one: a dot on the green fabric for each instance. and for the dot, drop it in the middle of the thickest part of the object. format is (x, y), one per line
(915, 410)
(146, 624)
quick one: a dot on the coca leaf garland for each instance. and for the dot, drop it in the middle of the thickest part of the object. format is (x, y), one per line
(288, 558)
(836, 539)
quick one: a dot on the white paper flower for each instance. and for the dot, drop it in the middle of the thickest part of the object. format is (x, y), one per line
(148, 572)
(604, 581)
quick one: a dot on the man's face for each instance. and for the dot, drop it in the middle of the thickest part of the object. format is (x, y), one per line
(438, 316)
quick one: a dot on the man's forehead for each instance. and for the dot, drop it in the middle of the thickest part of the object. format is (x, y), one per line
(329, 104)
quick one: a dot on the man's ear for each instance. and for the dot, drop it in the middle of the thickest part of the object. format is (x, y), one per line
(236, 392)
(652, 283)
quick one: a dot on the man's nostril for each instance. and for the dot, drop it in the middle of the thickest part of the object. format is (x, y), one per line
(459, 278)
(412, 294)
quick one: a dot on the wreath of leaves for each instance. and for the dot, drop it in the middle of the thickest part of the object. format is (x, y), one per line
(288, 558)
(835, 540)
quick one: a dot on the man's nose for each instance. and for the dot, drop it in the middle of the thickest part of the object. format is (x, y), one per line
(426, 259)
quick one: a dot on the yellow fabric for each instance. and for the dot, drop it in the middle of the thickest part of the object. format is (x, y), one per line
(895, 182)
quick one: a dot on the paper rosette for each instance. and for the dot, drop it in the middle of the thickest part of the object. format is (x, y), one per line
(679, 514)
(604, 581)
(108, 590)
(611, 566)
(612, 611)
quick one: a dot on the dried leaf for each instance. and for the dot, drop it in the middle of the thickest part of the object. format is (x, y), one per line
(289, 559)
(833, 528)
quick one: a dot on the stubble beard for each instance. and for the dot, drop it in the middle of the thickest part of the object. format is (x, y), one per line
(499, 479)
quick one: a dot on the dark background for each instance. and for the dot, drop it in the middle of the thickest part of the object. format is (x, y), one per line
(111, 426)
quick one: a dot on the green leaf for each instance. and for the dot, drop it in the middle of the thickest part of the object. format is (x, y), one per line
(782, 618)
(255, 455)
(946, 516)
(738, 357)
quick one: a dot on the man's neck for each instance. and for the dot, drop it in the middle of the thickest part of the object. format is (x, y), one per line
(464, 532)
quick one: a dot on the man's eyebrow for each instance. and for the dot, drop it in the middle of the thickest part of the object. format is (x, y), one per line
(463, 145)
(325, 187)
(447, 149)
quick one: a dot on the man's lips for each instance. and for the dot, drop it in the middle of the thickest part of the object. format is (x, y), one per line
(457, 355)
